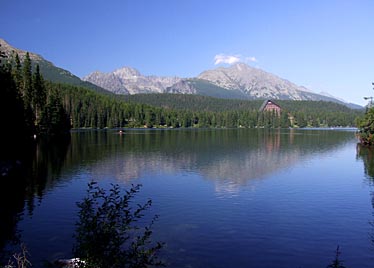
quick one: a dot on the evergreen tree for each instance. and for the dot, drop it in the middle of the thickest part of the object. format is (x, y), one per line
(26, 92)
(54, 120)
(11, 105)
(284, 121)
(16, 128)
(38, 94)
(17, 71)
(27, 81)
(366, 128)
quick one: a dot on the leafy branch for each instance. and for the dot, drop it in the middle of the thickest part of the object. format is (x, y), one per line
(108, 232)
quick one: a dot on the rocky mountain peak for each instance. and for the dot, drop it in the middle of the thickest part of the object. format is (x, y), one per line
(8, 50)
(128, 80)
(241, 66)
(253, 82)
(4, 45)
(239, 81)
(236, 81)
(127, 73)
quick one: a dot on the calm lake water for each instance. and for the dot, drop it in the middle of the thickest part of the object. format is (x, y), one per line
(226, 198)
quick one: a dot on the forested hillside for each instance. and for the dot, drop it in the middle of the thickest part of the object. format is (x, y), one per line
(50, 108)
(49, 71)
(312, 113)
(192, 102)
(58, 75)
(29, 106)
(89, 109)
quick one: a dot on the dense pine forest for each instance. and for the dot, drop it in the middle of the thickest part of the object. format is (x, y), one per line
(295, 113)
(93, 110)
(30, 105)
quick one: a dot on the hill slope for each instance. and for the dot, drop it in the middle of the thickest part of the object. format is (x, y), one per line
(48, 69)
(193, 103)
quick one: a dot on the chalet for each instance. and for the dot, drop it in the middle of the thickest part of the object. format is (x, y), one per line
(270, 106)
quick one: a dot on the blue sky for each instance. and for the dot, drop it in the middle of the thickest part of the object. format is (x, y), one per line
(323, 45)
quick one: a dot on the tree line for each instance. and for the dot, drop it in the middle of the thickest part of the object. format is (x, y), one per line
(29, 106)
(32, 105)
(299, 113)
(365, 125)
(89, 109)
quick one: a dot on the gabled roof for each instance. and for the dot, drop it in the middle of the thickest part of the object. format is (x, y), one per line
(266, 102)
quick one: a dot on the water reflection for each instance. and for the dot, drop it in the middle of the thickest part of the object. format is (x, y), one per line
(366, 154)
(234, 156)
(21, 190)
(226, 158)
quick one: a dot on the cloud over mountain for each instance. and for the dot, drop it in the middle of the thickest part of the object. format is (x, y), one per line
(232, 59)
(228, 59)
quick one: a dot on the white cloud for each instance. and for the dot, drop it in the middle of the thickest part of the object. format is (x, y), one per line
(251, 59)
(231, 59)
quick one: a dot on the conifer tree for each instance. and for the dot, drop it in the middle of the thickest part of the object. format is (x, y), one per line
(12, 113)
(38, 94)
(17, 71)
(26, 93)
(54, 120)
(27, 81)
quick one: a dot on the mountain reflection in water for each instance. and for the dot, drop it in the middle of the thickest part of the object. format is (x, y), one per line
(236, 156)
(180, 169)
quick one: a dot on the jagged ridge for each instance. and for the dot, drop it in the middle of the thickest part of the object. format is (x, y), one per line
(239, 81)
(128, 80)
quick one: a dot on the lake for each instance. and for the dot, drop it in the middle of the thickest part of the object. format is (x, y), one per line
(225, 197)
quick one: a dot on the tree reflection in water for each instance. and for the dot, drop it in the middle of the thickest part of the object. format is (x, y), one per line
(366, 154)
(227, 158)
(37, 168)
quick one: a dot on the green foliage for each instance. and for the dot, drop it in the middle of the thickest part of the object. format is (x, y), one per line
(366, 128)
(53, 120)
(192, 102)
(304, 113)
(205, 88)
(27, 107)
(39, 95)
(17, 71)
(13, 114)
(27, 81)
(59, 75)
(86, 108)
(108, 232)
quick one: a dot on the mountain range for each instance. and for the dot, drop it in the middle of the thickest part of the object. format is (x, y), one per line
(238, 81)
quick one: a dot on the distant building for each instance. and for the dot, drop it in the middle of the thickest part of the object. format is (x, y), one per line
(270, 106)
